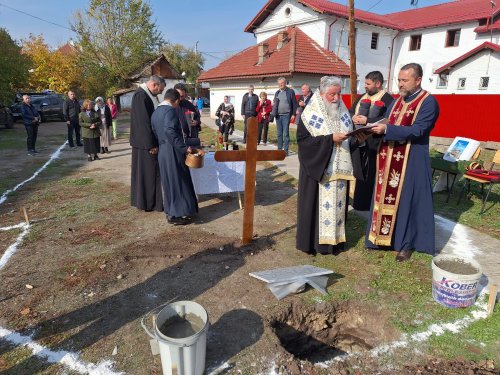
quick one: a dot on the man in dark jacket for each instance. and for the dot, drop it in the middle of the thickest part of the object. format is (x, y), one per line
(248, 108)
(31, 120)
(189, 117)
(71, 110)
(284, 107)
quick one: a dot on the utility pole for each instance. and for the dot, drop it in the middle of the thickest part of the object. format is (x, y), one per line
(196, 54)
(352, 52)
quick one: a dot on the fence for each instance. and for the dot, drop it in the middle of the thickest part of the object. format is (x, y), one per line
(471, 116)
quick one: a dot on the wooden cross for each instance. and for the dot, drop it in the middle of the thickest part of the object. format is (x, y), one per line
(250, 156)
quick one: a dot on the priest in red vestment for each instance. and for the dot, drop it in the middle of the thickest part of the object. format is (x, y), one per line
(402, 214)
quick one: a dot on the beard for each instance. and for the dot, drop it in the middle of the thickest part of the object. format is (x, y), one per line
(332, 109)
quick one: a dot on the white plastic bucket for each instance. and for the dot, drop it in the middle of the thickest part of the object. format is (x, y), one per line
(181, 355)
(452, 289)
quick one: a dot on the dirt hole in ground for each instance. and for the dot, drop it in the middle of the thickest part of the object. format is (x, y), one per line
(321, 332)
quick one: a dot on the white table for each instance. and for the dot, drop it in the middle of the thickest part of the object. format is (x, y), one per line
(215, 177)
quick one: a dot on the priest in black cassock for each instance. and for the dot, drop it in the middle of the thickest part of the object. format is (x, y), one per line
(325, 169)
(145, 185)
(402, 213)
(368, 109)
(178, 190)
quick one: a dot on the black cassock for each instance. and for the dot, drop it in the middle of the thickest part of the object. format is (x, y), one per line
(145, 184)
(179, 194)
(364, 159)
(314, 155)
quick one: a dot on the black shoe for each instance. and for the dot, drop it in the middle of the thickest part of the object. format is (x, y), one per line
(96, 157)
(79, 144)
(34, 151)
(404, 255)
(102, 150)
(89, 158)
(178, 220)
(106, 150)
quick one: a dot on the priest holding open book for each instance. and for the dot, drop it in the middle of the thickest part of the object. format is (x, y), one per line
(368, 109)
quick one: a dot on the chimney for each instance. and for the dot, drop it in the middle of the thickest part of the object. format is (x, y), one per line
(282, 39)
(263, 52)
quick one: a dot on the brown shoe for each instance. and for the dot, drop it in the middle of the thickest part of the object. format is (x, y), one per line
(404, 255)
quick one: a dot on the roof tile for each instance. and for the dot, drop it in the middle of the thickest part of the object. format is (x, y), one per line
(299, 55)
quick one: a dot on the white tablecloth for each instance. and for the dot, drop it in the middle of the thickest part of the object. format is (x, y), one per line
(217, 177)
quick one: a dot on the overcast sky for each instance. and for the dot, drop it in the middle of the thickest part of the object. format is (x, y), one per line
(217, 25)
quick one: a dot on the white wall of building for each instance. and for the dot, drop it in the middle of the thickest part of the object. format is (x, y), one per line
(367, 59)
(433, 52)
(236, 89)
(484, 64)
(312, 23)
(332, 33)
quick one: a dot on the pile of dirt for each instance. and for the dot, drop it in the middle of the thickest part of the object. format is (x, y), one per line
(457, 367)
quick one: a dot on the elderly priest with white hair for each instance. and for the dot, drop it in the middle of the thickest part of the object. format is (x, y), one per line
(325, 169)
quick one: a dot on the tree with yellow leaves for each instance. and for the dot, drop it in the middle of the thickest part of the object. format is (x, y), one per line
(54, 70)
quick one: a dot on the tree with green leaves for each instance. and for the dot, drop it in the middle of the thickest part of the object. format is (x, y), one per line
(114, 37)
(184, 59)
(14, 67)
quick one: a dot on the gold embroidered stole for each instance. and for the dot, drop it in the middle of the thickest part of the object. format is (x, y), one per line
(373, 98)
(392, 158)
(333, 187)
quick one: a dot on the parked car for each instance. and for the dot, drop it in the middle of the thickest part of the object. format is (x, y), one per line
(49, 106)
(6, 118)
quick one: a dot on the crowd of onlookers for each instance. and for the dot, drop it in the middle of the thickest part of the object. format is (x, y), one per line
(93, 123)
(284, 109)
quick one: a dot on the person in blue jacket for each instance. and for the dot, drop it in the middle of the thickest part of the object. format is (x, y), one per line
(284, 107)
(31, 120)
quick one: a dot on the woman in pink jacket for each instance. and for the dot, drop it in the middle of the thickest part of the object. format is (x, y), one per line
(114, 114)
(264, 108)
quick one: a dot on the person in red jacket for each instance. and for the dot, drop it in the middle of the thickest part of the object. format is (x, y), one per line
(264, 108)
(114, 113)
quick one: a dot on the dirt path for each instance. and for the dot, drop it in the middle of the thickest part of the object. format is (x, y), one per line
(85, 275)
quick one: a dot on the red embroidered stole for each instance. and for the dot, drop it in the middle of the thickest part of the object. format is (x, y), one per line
(392, 158)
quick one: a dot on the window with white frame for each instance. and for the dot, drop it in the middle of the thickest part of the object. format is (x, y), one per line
(442, 81)
(461, 83)
(484, 82)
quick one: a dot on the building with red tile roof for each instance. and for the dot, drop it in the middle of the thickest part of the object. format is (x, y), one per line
(297, 53)
(461, 33)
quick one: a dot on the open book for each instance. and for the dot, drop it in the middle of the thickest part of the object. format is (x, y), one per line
(361, 129)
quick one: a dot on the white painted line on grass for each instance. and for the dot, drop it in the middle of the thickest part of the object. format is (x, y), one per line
(67, 359)
(459, 242)
(54, 156)
(437, 329)
(13, 248)
(20, 225)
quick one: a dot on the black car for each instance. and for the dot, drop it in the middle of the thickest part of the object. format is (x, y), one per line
(6, 118)
(49, 106)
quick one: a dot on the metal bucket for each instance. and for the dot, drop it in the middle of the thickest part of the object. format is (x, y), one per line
(183, 354)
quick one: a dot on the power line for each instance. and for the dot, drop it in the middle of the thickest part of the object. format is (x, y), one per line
(38, 18)
(374, 5)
